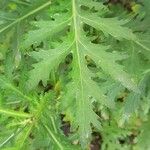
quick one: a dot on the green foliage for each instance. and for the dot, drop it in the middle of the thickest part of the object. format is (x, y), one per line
(76, 62)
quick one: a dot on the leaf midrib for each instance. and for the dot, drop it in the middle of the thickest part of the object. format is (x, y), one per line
(14, 113)
(74, 12)
(54, 137)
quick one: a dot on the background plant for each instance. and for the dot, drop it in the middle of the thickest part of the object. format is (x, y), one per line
(75, 65)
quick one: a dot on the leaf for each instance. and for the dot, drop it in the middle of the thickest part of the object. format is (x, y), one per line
(111, 135)
(112, 26)
(107, 61)
(49, 59)
(47, 29)
(59, 141)
(81, 77)
(23, 136)
(143, 139)
(77, 64)
(4, 84)
(25, 16)
(134, 100)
